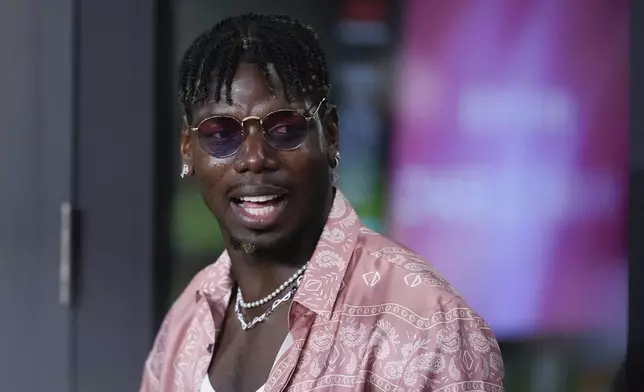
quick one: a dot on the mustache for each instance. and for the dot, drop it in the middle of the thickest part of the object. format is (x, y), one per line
(255, 187)
(255, 180)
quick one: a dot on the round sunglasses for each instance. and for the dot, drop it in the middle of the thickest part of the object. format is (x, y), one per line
(284, 129)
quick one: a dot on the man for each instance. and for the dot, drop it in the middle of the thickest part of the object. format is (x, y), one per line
(304, 297)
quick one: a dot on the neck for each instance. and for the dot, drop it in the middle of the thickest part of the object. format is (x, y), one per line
(260, 271)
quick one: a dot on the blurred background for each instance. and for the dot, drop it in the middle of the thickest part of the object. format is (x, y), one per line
(490, 137)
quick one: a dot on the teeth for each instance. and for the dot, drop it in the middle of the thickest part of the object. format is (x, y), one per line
(261, 211)
(258, 199)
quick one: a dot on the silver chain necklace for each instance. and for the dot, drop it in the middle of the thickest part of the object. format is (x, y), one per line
(271, 296)
(240, 316)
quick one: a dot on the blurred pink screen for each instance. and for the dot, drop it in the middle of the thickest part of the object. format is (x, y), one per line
(510, 157)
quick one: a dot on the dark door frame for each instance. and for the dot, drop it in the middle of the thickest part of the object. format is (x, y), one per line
(120, 178)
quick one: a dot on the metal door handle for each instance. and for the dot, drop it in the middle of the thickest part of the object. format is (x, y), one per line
(65, 266)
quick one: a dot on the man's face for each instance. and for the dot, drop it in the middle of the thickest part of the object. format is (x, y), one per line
(260, 195)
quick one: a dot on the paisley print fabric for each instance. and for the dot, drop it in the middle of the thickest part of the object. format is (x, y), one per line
(370, 315)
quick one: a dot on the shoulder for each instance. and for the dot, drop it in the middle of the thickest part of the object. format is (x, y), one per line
(390, 273)
(383, 262)
(440, 337)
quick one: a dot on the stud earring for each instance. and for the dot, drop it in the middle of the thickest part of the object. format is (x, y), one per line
(184, 171)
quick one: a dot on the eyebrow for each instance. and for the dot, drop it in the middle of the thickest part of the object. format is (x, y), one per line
(199, 117)
(222, 99)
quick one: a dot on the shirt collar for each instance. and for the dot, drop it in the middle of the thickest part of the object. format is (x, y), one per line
(324, 276)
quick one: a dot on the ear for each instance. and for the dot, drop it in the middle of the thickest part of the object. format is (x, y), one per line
(332, 134)
(186, 145)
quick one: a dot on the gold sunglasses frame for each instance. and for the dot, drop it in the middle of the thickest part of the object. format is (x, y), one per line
(261, 125)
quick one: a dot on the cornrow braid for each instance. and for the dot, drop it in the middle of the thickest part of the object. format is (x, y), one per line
(289, 46)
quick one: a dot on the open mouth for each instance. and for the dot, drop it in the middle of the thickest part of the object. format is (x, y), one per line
(259, 206)
(258, 212)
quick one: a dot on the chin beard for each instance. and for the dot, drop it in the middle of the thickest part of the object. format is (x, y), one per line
(247, 247)
(257, 247)
(260, 250)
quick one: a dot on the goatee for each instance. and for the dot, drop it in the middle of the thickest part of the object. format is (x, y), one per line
(248, 248)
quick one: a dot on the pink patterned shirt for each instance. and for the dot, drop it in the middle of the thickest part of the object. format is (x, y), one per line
(369, 315)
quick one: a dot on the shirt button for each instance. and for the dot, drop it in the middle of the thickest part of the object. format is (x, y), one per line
(210, 347)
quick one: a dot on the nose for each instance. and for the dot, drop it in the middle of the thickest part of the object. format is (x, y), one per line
(255, 155)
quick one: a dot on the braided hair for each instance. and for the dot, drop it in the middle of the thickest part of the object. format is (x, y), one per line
(290, 47)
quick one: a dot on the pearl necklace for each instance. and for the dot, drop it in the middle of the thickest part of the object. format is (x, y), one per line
(240, 316)
(271, 296)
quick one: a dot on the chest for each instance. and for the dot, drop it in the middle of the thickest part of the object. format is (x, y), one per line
(242, 360)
